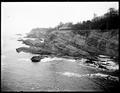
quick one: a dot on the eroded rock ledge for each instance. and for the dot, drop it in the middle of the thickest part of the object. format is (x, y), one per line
(70, 45)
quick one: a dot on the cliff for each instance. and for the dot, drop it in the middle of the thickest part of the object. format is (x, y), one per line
(86, 43)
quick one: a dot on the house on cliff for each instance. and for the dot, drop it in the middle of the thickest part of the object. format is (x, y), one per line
(67, 26)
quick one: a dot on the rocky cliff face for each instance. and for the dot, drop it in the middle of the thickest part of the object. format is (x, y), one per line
(93, 43)
(83, 44)
(103, 43)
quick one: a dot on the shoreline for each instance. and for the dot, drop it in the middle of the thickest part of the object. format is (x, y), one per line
(97, 62)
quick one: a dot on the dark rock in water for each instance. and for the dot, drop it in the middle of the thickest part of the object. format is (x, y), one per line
(103, 67)
(18, 50)
(20, 39)
(89, 61)
(36, 58)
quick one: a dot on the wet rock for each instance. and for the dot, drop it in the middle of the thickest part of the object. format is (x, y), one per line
(89, 61)
(23, 49)
(20, 39)
(102, 67)
(18, 50)
(36, 58)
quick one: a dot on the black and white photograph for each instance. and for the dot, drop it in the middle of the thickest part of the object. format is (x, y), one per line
(59, 46)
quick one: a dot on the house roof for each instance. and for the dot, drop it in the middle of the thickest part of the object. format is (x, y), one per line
(66, 26)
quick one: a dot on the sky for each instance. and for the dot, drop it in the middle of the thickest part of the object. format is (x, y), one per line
(21, 17)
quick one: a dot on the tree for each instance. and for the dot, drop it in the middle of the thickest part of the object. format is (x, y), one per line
(60, 25)
(109, 20)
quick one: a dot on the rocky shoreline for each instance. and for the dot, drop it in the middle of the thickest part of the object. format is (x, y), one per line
(46, 48)
(107, 64)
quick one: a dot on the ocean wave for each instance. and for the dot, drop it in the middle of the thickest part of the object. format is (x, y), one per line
(55, 58)
(95, 75)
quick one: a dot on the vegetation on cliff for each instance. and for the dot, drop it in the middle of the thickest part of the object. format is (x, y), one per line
(88, 39)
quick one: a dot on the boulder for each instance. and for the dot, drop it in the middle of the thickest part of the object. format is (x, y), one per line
(36, 58)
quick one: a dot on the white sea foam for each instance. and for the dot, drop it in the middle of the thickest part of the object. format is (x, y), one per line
(112, 65)
(83, 60)
(99, 74)
(103, 56)
(55, 58)
(23, 59)
(46, 59)
(71, 74)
